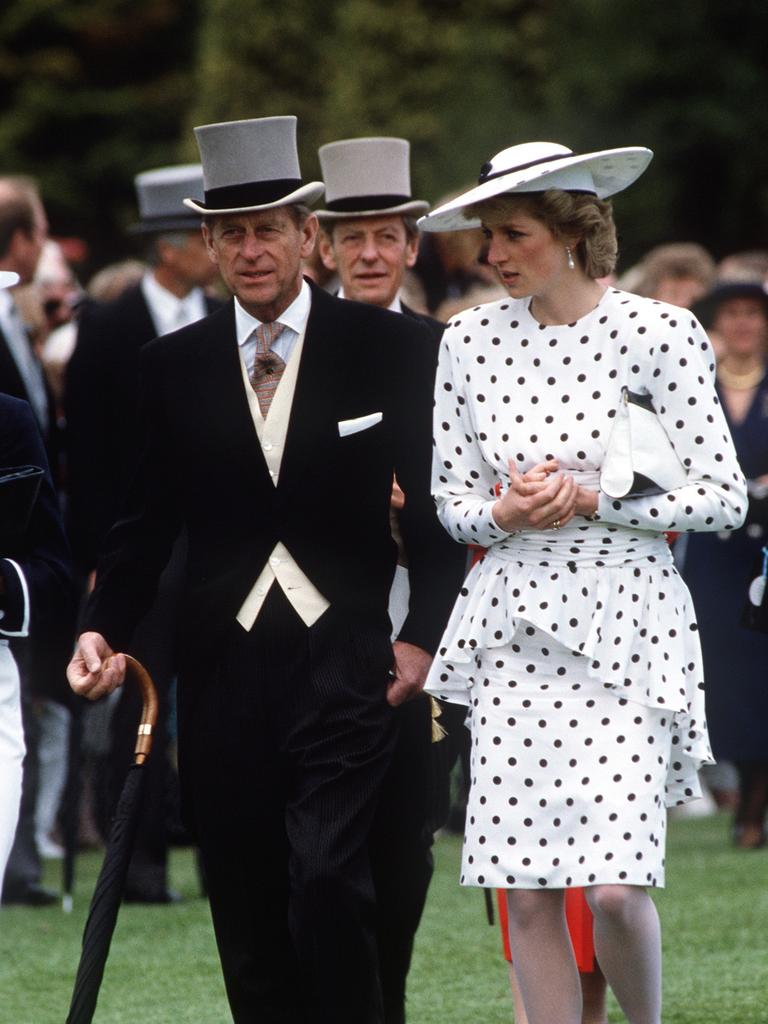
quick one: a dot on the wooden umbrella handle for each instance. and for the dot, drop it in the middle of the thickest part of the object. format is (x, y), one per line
(139, 675)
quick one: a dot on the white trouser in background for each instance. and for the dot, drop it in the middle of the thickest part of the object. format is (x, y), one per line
(11, 752)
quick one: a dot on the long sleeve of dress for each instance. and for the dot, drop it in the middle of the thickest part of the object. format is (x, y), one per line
(463, 482)
(677, 370)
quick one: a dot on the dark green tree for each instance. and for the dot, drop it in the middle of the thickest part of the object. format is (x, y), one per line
(90, 94)
(685, 79)
(438, 72)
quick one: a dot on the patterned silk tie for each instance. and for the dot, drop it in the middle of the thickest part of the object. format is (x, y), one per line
(268, 367)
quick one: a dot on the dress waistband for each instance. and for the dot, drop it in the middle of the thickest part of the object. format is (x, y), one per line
(589, 478)
(585, 545)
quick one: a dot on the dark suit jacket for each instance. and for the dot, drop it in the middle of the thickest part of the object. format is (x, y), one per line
(11, 383)
(202, 467)
(43, 555)
(435, 327)
(101, 413)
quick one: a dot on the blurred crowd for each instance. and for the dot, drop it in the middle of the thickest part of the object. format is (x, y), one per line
(72, 322)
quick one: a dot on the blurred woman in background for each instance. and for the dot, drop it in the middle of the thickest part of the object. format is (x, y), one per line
(718, 566)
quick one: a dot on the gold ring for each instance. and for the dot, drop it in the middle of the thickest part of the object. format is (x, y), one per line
(556, 524)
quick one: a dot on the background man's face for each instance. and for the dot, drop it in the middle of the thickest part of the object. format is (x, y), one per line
(370, 255)
(190, 262)
(29, 248)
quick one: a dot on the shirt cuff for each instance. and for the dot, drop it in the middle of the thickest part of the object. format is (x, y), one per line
(494, 525)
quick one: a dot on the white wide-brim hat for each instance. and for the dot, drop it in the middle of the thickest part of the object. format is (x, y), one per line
(536, 167)
(8, 278)
(367, 177)
(251, 165)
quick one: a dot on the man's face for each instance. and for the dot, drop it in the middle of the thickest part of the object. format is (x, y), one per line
(190, 262)
(27, 248)
(259, 257)
(370, 255)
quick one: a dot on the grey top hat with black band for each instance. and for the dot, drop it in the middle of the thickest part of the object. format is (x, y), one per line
(161, 193)
(8, 278)
(251, 165)
(367, 178)
(536, 167)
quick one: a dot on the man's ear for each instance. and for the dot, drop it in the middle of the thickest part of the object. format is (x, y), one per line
(325, 247)
(412, 251)
(208, 239)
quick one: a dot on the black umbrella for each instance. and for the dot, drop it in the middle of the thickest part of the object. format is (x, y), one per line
(70, 808)
(105, 903)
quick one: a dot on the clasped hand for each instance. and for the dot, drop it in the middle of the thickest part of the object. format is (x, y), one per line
(542, 499)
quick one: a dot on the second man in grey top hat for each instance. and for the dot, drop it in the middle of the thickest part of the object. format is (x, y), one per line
(369, 237)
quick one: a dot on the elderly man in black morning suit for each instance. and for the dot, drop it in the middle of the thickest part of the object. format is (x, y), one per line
(369, 237)
(103, 432)
(289, 685)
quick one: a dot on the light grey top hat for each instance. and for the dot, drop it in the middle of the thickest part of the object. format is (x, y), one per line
(367, 178)
(536, 167)
(251, 165)
(161, 193)
(8, 278)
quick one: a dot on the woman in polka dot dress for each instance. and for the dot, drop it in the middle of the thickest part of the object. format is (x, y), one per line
(573, 642)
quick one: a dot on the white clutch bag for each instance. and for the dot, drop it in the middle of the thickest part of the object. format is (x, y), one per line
(639, 459)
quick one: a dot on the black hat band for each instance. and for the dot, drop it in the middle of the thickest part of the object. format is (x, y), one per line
(355, 203)
(252, 193)
(163, 220)
(486, 176)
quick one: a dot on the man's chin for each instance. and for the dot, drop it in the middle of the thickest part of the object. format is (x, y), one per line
(373, 295)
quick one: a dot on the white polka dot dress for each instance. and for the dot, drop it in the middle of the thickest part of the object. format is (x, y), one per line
(576, 650)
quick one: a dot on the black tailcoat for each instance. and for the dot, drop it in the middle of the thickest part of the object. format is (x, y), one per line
(202, 467)
(12, 383)
(42, 551)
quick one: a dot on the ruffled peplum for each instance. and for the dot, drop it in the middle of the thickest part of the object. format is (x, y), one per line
(608, 593)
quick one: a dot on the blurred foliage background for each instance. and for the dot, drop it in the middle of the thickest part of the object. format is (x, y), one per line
(94, 91)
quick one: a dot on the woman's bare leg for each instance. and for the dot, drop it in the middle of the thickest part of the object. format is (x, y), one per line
(543, 956)
(628, 946)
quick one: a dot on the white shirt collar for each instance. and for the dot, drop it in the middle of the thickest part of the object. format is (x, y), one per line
(169, 312)
(294, 317)
(6, 303)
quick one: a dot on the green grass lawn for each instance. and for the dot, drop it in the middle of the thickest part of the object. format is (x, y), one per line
(163, 967)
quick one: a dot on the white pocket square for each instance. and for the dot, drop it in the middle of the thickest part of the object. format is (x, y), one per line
(347, 427)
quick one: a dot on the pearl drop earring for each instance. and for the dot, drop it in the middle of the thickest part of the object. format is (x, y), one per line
(570, 260)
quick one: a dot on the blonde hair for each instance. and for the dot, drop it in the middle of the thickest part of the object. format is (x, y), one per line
(567, 215)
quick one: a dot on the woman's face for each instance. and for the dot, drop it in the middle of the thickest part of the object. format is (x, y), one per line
(741, 326)
(526, 255)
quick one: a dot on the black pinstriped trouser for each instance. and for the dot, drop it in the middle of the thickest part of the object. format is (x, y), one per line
(283, 747)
